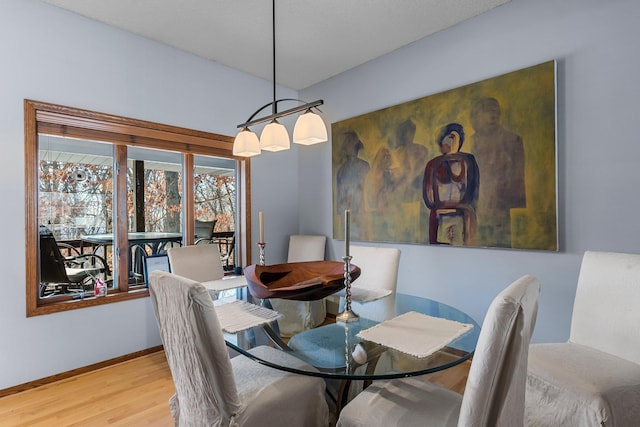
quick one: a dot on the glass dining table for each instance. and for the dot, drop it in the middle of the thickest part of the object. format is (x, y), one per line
(335, 351)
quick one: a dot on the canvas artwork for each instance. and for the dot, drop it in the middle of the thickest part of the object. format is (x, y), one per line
(473, 166)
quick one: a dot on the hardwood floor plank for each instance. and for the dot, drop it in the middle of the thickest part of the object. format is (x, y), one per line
(454, 378)
(131, 393)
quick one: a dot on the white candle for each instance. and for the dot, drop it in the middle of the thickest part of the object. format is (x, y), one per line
(346, 231)
(261, 221)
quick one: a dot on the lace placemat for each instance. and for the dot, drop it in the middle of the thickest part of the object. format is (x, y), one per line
(236, 316)
(416, 334)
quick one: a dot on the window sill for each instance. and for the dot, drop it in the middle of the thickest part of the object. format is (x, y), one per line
(56, 305)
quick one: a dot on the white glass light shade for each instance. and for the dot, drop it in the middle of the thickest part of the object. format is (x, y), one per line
(309, 129)
(246, 144)
(274, 137)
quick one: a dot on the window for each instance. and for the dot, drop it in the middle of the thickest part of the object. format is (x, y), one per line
(103, 192)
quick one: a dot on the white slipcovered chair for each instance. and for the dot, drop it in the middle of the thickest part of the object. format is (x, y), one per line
(494, 393)
(379, 272)
(301, 315)
(203, 264)
(211, 388)
(594, 378)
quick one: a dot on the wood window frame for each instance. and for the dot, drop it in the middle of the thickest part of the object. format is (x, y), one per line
(52, 119)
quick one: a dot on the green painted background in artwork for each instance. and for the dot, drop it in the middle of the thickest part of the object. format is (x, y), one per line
(528, 108)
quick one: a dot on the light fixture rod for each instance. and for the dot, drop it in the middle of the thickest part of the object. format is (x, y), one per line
(293, 110)
(273, 28)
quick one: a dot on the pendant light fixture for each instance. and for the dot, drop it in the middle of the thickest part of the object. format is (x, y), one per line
(309, 128)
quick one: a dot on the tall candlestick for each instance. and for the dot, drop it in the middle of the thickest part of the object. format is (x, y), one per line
(346, 231)
(261, 221)
(347, 314)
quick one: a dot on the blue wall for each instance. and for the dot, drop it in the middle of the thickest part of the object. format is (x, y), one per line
(593, 43)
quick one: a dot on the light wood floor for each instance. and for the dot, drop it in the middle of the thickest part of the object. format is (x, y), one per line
(132, 393)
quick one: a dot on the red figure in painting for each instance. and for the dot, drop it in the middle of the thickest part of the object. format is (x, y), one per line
(450, 189)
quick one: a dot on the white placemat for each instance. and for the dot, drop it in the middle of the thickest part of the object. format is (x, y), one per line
(416, 334)
(225, 283)
(365, 295)
(236, 316)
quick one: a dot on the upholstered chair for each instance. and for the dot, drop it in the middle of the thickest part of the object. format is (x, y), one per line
(494, 393)
(196, 262)
(379, 272)
(594, 378)
(301, 315)
(202, 263)
(211, 388)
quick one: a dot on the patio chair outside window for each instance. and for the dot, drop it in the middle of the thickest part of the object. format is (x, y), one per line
(73, 273)
(204, 230)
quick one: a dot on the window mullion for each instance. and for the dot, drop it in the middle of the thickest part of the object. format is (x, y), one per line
(121, 244)
(188, 199)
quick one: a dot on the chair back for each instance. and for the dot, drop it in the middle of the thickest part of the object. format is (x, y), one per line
(378, 265)
(196, 352)
(605, 310)
(306, 248)
(495, 389)
(379, 271)
(197, 262)
(204, 229)
(52, 269)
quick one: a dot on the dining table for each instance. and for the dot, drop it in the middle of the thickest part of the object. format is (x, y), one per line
(414, 336)
(156, 241)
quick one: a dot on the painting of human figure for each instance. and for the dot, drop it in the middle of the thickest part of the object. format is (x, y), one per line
(473, 166)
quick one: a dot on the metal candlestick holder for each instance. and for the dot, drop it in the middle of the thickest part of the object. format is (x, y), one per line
(347, 315)
(261, 246)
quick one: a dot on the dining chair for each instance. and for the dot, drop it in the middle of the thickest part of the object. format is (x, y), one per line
(301, 315)
(75, 272)
(196, 262)
(495, 388)
(593, 379)
(202, 263)
(213, 389)
(203, 231)
(379, 272)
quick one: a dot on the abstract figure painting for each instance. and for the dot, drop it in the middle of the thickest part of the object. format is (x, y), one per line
(450, 189)
(473, 166)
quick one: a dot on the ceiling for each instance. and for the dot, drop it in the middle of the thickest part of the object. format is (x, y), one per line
(315, 40)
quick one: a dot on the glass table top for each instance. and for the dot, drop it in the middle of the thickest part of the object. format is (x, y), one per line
(335, 351)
